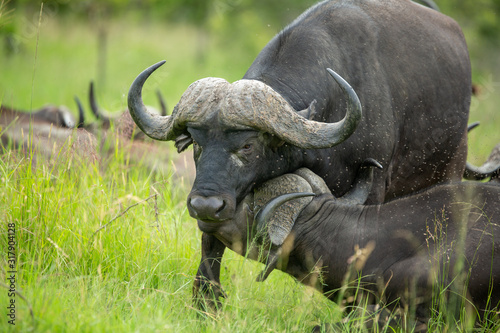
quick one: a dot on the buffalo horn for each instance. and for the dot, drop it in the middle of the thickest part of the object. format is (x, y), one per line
(153, 125)
(266, 213)
(363, 185)
(488, 169)
(338, 132)
(251, 101)
(81, 114)
(264, 217)
(94, 106)
(195, 106)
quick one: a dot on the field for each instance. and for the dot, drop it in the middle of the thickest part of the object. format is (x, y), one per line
(136, 273)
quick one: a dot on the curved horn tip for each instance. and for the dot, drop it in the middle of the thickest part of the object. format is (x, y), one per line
(472, 126)
(371, 162)
(142, 77)
(155, 126)
(94, 107)
(349, 90)
(340, 80)
(77, 100)
(155, 66)
(268, 210)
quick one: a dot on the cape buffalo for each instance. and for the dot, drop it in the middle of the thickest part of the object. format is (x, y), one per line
(444, 238)
(410, 67)
(59, 116)
(44, 141)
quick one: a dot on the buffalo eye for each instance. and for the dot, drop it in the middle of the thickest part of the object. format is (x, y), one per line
(246, 148)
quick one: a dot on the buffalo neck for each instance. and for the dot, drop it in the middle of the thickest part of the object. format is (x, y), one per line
(323, 236)
(330, 233)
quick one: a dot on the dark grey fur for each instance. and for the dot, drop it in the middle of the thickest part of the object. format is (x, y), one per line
(58, 116)
(409, 246)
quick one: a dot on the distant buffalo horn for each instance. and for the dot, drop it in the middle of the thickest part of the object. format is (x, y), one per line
(94, 106)
(81, 113)
(488, 169)
(163, 105)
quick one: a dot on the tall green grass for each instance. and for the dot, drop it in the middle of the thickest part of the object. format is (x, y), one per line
(136, 274)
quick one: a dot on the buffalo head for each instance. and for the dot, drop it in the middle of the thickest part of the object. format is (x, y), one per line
(243, 133)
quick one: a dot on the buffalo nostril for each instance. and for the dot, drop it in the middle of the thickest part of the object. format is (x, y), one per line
(206, 208)
(221, 208)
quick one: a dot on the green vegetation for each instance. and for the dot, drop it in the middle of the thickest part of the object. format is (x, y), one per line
(136, 274)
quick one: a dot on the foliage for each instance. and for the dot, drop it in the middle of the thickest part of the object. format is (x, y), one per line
(483, 14)
(109, 246)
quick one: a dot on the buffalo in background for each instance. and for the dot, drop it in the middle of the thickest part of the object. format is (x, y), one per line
(59, 116)
(121, 120)
(50, 142)
(50, 131)
(117, 130)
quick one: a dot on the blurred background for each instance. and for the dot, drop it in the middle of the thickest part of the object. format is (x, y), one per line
(50, 54)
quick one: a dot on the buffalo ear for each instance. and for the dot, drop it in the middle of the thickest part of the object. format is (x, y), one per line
(363, 183)
(310, 112)
(272, 141)
(182, 142)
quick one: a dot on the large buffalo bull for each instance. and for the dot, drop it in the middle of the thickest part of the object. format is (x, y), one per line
(406, 251)
(410, 68)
